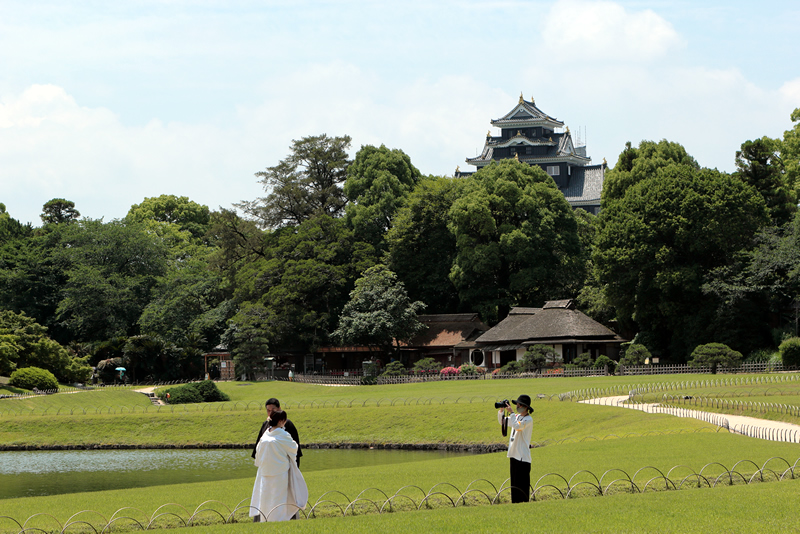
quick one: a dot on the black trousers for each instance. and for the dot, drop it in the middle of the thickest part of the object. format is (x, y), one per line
(520, 480)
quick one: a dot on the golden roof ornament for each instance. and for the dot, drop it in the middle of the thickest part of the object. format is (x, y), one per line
(567, 129)
(533, 101)
(605, 162)
(521, 100)
(458, 169)
(488, 133)
(516, 156)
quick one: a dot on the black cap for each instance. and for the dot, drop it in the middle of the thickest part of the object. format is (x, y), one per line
(524, 400)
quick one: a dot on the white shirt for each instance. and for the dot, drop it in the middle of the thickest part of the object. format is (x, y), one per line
(519, 442)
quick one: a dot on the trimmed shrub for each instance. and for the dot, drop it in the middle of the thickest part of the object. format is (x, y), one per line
(33, 377)
(715, 355)
(394, 368)
(468, 370)
(790, 351)
(427, 365)
(210, 392)
(583, 361)
(512, 367)
(635, 355)
(205, 391)
(603, 361)
(181, 395)
(449, 371)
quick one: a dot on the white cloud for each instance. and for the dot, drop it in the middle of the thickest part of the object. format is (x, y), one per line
(52, 147)
(791, 92)
(577, 30)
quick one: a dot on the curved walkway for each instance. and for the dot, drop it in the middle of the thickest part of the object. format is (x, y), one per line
(739, 424)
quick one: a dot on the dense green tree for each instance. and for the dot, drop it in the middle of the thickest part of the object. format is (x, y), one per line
(111, 268)
(516, 238)
(641, 163)
(759, 164)
(302, 281)
(25, 343)
(421, 246)
(187, 215)
(378, 182)
(10, 228)
(191, 301)
(305, 184)
(379, 312)
(715, 355)
(790, 151)
(660, 238)
(247, 338)
(59, 210)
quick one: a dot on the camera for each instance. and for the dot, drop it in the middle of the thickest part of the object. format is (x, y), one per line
(502, 404)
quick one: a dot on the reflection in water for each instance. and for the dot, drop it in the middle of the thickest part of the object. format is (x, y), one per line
(33, 473)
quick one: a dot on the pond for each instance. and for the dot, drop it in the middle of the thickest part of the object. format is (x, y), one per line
(34, 473)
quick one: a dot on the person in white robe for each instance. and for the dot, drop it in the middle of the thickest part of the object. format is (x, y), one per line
(279, 490)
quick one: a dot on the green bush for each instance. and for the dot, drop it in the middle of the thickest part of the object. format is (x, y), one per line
(715, 355)
(33, 377)
(181, 395)
(583, 361)
(760, 356)
(790, 351)
(210, 392)
(604, 361)
(468, 369)
(512, 367)
(395, 368)
(205, 391)
(635, 355)
(427, 365)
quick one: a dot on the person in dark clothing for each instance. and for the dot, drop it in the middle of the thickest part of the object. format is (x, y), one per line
(274, 405)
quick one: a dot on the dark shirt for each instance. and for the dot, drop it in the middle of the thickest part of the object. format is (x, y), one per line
(290, 428)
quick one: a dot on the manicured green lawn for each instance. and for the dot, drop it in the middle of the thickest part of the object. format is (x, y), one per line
(663, 452)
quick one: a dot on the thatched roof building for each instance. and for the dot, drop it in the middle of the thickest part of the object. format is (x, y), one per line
(557, 324)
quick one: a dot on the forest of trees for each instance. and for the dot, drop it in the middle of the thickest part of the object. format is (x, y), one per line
(679, 255)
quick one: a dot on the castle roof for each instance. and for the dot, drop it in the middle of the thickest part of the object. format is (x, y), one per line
(524, 115)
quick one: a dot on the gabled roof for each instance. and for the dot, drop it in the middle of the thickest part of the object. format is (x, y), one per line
(448, 330)
(526, 114)
(556, 320)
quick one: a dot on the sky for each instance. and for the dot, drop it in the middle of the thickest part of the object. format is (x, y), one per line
(107, 103)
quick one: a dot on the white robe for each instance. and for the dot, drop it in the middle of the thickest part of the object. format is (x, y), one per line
(278, 481)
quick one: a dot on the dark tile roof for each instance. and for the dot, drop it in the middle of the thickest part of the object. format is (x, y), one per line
(525, 111)
(556, 320)
(585, 185)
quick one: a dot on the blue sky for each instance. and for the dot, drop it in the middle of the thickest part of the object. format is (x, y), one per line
(106, 103)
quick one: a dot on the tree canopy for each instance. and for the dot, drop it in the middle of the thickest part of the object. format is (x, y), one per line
(305, 184)
(661, 236)
(516, 239)
(378, 182)
(379, 312)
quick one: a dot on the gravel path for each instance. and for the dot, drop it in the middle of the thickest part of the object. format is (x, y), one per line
(739, 424)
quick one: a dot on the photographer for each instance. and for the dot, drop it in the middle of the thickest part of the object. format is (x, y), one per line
(519, 444)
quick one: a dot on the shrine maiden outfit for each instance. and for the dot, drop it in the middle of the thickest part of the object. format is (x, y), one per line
(278, 480)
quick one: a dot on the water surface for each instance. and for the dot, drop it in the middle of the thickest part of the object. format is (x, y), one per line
(33, 473)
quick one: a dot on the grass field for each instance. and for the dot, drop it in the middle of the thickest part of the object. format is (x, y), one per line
(630, 455)
(581, 443)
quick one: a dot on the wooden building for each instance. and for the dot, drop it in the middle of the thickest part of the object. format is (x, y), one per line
(534, 137)
(449, 338)
(557, 324)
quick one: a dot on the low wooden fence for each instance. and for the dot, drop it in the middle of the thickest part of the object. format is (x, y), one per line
(354, 379)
